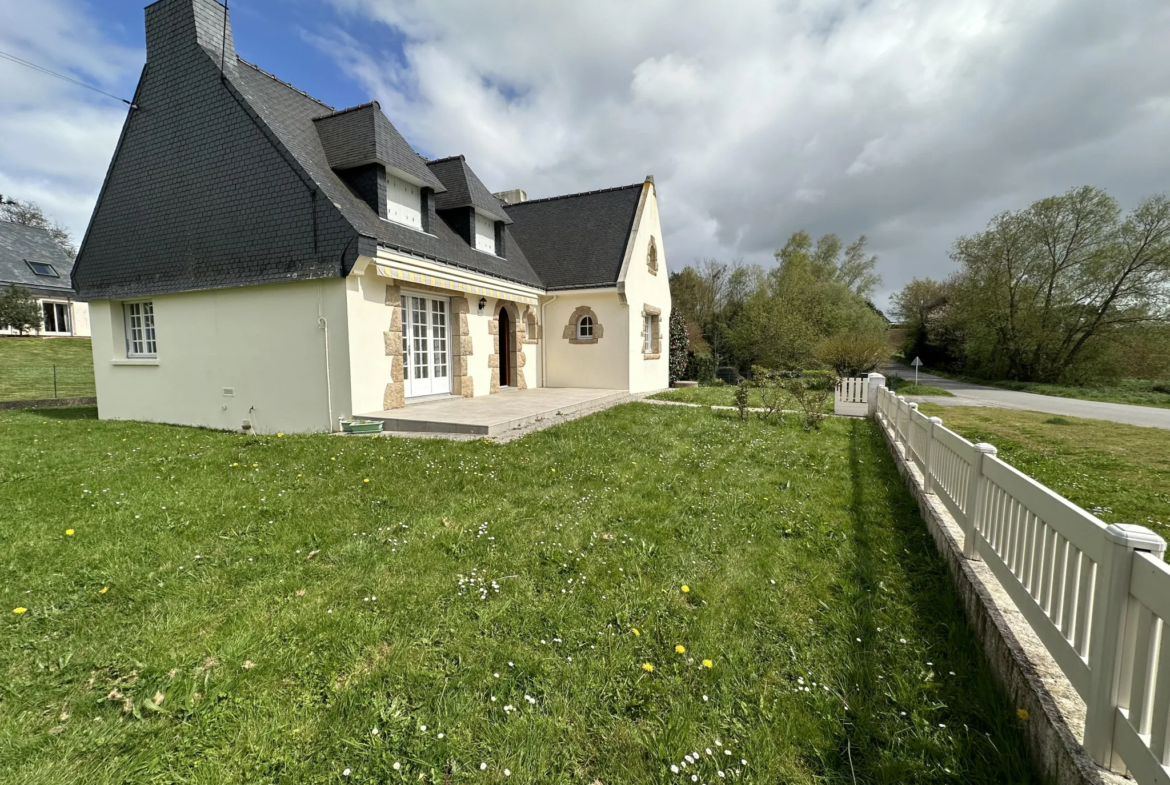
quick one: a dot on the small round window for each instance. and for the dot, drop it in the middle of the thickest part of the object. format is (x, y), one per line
(585, 328)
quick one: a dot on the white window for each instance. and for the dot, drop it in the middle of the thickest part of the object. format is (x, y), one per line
(140, 330)
(530, 328)
(647, 334)
(485, 234)
(585, 328)
(403, 202)
(55, 318)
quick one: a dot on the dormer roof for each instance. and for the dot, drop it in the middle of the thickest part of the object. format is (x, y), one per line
(464, 189)
(363, 135)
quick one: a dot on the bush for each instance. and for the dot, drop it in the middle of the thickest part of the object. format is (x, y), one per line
(811, 391)
(854, 353)
(680, 344)
(702, 368)
(728, 374)
(19, 310)
(741, 398)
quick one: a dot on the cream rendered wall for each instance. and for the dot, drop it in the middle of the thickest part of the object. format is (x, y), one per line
(263, 341)
(367, 321)
(642, 288)
(481, 344)
(80, 318)
(604, 364)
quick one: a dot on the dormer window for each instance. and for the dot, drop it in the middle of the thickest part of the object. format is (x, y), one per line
(403, 202)
(485, 233)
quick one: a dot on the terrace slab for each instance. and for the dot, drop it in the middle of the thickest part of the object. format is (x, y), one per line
(496, 414)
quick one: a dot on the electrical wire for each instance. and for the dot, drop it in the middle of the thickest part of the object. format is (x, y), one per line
(43, 70)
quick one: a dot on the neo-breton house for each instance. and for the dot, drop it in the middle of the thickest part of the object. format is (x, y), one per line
(31, 260)
(257, 255)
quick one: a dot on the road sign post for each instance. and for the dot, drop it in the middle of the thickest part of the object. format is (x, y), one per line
(917, 363)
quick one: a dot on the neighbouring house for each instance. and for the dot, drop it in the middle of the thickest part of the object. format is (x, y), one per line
(30, 259)
(257, 255)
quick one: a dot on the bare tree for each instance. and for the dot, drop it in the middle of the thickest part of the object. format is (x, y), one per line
(29, 213)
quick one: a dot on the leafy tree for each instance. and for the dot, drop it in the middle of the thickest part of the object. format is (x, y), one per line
(19, 310)
(854, 353)
(28, 213)
(1043, 291)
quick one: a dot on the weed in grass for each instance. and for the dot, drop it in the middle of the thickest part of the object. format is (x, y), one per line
(469, 613)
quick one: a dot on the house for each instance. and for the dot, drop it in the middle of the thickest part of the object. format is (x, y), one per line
(258, 256)
(30, 259)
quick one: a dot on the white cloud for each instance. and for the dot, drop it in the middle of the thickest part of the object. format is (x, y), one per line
(908, 120)
(58, 138)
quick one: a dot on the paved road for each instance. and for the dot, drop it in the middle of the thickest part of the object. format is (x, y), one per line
(967, 394)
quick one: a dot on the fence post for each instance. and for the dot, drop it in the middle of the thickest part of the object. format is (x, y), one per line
(899, 434)
(976, 500)
(907, 448)
(1107, 637)
(927, 460)
(875, 382)
(54, 381)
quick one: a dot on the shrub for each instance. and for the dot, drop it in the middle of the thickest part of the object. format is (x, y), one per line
(702, 367)
(811, 391)
(19, 310)
(680, 344)
(741, 398)
(728, 374)
(854, 353)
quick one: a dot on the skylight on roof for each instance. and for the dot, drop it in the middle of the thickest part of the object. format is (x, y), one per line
(42, 268)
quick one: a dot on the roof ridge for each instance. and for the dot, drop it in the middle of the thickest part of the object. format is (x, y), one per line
(278, 80)
(571, 196)
(444, 160)
(354, 108)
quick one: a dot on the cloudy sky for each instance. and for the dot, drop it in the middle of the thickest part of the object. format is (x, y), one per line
(909, 121)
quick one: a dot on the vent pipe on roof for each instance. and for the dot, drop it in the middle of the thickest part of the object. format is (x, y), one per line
(515, 196)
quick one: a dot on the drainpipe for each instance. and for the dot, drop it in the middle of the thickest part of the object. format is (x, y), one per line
(323, 324)
(543, 343)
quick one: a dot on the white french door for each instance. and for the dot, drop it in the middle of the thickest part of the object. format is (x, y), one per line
(425, 347)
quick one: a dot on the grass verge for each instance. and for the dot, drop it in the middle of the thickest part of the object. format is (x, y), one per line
(27, 368)
(1120, 473)
(208, 607)
(723, 395)
(1138, 392)
(922, 389)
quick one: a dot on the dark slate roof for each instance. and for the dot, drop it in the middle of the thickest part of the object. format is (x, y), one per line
(464, 189)
(363, 135)
(579, 240)
(290, 114)
(20, 245)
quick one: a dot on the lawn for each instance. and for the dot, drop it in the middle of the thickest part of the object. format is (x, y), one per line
(27, 368)
(723, 395)
(594, 602)
(921, 389)
(1120, 473)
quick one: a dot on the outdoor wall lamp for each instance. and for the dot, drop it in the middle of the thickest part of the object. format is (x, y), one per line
(482, 304)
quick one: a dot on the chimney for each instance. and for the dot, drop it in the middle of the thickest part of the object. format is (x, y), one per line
(172, 26)
(515, 196)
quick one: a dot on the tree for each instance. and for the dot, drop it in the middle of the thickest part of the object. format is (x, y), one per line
(19, 310)
(853, 353)
(28, 213)
(679, 346)
(1043, 290)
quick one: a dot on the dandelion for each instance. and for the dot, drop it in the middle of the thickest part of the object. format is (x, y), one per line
(647, 667)
(707, 663)
(1022, 714)
(366, 480)
(68, 532)
(680, 649)
(635, 631)
(685, 588)
(19, 611)
(279, 435)
(103, 590)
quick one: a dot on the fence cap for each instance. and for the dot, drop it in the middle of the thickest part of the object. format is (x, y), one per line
(936, 420)
(988, 449)
(1135, 536)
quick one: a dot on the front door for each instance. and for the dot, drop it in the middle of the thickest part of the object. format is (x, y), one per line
(425, 367)
(505, 348)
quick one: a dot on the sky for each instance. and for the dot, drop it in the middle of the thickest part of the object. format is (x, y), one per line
(908, 121)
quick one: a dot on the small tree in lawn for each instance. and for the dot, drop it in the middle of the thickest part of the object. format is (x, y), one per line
(679, 345)
(19, 310)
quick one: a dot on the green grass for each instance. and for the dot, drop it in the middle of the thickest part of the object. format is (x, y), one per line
(922, 389)
(1120, 473)
(235, 579)
(27, 373)
(723, 395)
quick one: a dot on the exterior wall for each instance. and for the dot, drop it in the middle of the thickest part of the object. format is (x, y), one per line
(646, 289)
(78, 317)
(263, 341)
(603, 364)
(368, 320)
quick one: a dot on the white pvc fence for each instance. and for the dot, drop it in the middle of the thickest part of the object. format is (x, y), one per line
(852, 397)
(1097, 595)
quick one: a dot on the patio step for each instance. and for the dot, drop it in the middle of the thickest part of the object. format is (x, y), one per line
(497, 414)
